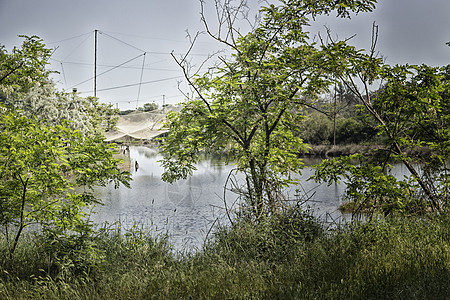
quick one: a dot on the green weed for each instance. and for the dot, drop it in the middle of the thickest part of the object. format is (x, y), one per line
(289, 256)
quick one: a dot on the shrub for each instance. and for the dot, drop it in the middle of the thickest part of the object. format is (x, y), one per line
(270, 239)
(316, 129)
(353, 131)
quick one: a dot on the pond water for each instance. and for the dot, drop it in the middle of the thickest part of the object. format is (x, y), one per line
(187, 209)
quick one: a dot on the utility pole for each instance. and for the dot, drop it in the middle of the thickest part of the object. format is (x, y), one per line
(334, 116)
(164, 103)
(95, 63)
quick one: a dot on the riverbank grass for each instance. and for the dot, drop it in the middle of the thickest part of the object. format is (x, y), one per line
(288, 257)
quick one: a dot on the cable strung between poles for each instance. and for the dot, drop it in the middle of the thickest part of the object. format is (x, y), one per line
(115, 67)
(140, 81)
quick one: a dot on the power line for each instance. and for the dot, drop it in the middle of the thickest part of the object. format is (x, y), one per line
(118, 66)
(109, 70)
(114, 66)
(148, 98)
(134, 84)
(151, 52)
(122, 42)
(140, 82)
(71, 38)
(64, 74)
(148, 37)
(76, 48)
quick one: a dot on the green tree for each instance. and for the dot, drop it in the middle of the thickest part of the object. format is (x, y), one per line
(411, 110)
(25, 85)
(51, 106)
(336, 106)
(415, 105)
(102, 117)
(48, 165)
(316, 128)
(24, 67)
(336, 119)
(40, 167)
(250, 104)
(149, 107)
(353, 130)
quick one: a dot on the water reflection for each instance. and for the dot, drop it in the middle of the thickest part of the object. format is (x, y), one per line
(187, 208)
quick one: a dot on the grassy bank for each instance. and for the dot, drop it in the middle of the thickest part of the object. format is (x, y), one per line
(349, 149)
(287, 257)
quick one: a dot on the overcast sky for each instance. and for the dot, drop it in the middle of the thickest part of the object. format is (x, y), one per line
(410, 31)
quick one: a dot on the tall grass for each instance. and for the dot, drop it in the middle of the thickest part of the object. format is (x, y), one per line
(289, 256)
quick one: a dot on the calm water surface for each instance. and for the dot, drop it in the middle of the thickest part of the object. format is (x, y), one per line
(187, 209)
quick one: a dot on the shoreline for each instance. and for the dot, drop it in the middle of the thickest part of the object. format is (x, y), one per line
(325, 151)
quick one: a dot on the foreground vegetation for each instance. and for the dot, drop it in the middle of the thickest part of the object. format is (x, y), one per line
(286, 257)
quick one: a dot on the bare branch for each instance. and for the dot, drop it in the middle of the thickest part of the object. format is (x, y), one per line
(374, 39)
(221, 22)
(192, 43)
(238, 138)
(189, 79)
(181, 91)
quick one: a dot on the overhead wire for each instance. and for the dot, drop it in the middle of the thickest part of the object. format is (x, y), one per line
(134, 84)
(140, 81)
(76, 48)
(151, 52)
(64, 74)
(122, 41)
(142, 67)
(113, 68)
(147, 37)
(149, 98)
(71, 38)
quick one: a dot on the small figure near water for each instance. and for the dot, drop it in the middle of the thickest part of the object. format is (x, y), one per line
(125, 149)
(136, 166)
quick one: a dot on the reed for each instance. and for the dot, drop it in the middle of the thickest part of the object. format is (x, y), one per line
(283, 257)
